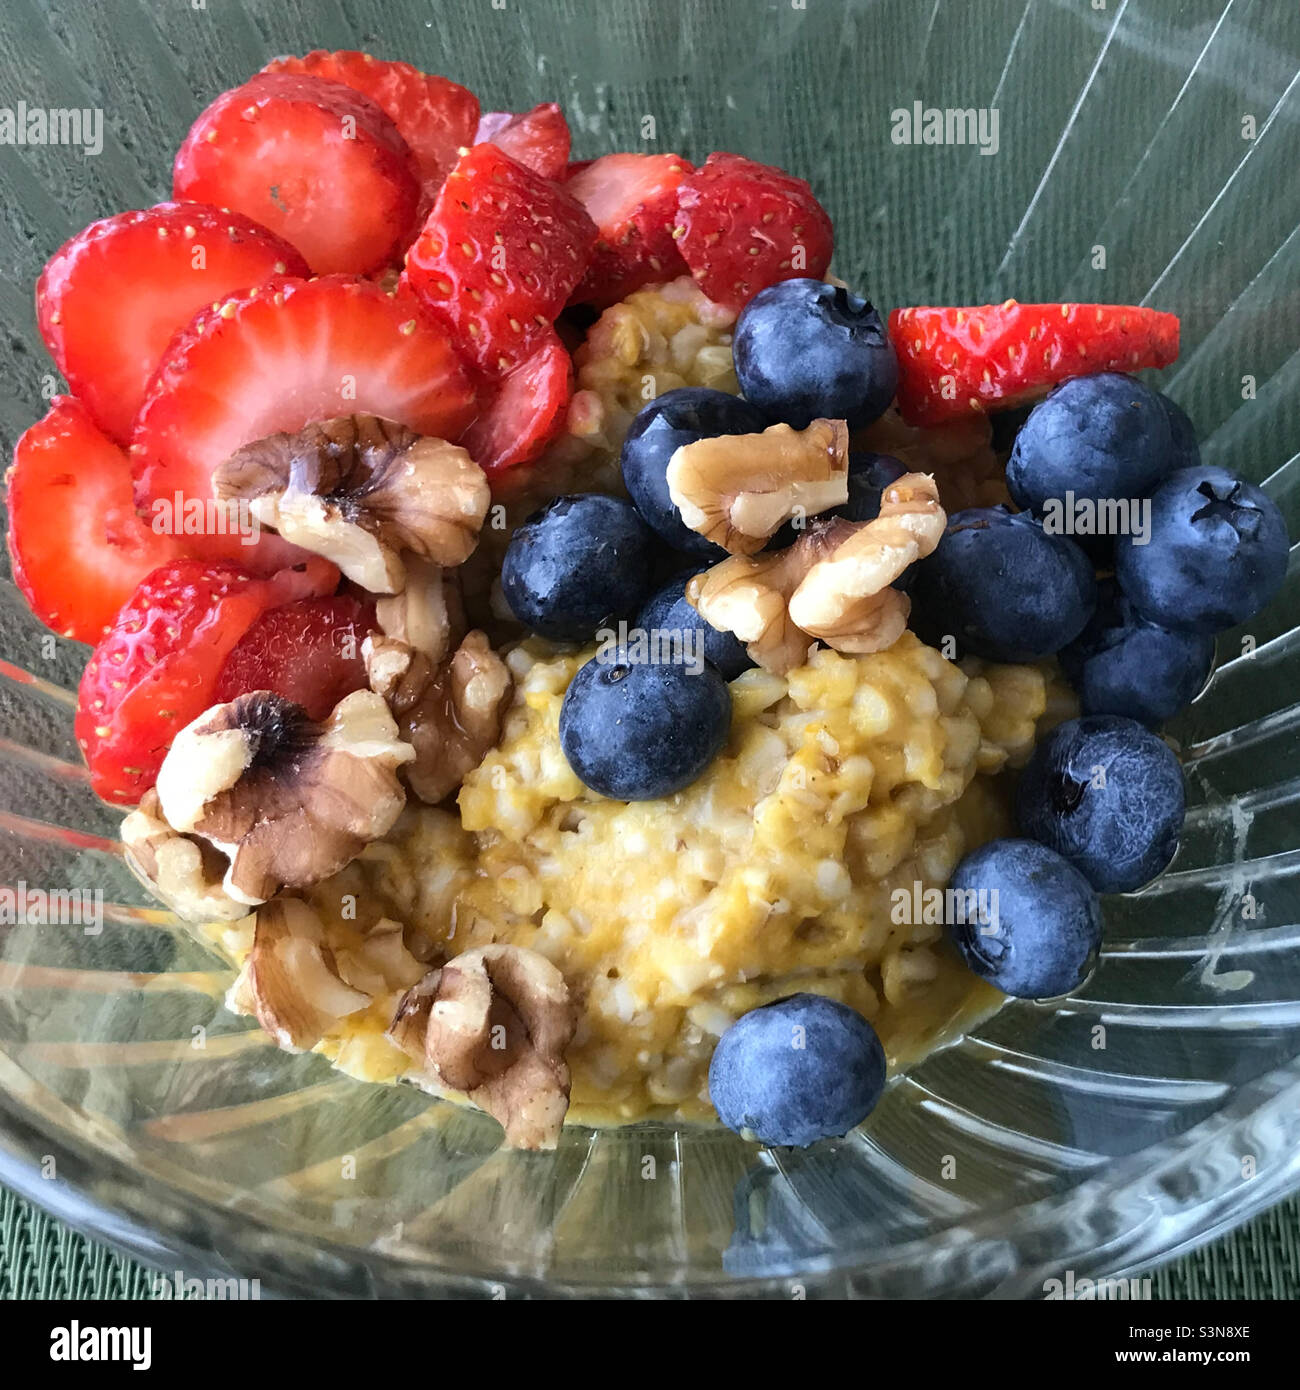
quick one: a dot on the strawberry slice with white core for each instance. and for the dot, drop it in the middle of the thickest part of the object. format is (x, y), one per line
(77, 546)
(280, 357)
(110, 300)
(316, 162)
(538, 139)
(524, 412)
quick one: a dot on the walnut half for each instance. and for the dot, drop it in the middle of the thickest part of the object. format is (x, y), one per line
(183, 870)
(737, 490)
(360, 490)
(494, 1023)
(833, 584)
(287, 801)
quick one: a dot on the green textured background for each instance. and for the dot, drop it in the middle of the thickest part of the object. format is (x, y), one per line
(42, 1258)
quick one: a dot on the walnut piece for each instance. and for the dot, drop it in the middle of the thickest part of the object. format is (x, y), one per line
(739, 489)
(429, 614)
(494, 1023)
(291, 981)
(449, 713)
(832, 584)
(185, 872)
(360, 490)
(286, 800)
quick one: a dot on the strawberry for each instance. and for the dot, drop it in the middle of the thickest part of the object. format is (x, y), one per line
(995, 356)
(632, 199)
(539, 139)
(280, 357)
(742, 226)
(109, 301)
(525, 412)
(308, 651)
(315, 161)
(501, 252)
(156, 669)
(69, 480)
(434, 115)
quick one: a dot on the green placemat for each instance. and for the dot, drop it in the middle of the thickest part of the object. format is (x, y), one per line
(42, 1258)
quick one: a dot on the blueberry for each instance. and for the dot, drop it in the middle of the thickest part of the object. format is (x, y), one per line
(1216, 553)
(668, 611)
(801, 1069)
(1108, 795)
(576, 565)
(1100, 437)
(1006, 425)
(805, 349)
(635, 731)
(1122, 664)
(1041, 922)
(1003, 587)
(1186, 451)
(669, 421)
(869, 475)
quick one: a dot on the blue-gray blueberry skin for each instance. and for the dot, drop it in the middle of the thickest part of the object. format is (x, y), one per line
(1217, 552)
(578, 564)
(1042, 939)
(635, 731)
(1002, 587)
(667, 610)
(798, 1070)
(805, 349)
(669, 421)
(869, 475)
(1186, 451)
(1099, 437)
(1106, 794)
(1122, 664)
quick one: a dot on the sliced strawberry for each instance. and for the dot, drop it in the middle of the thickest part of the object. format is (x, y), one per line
(78, 548)
(280, 357)
(156, 669)
(995, 356)
(632, 199)
(315, 161)
(110, 300)
(525, 411)
(742, 226)
(501, 252)
(308, 651)
(434, 115)
(539, 139)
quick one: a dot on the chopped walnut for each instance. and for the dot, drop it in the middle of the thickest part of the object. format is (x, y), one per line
(360, 490)
(429, 614)
(738, 489)
(494, 1023)
(381, 963)
(832, 584)
(291, 980)
(450, 713)
(185, 872)
(286, 800)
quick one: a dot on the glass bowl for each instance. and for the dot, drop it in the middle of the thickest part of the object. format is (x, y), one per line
(1146, 154)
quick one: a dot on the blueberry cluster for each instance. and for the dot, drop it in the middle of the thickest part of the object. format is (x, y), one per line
(633, 728)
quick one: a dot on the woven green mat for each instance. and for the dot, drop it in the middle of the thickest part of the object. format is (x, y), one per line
(42, 1258)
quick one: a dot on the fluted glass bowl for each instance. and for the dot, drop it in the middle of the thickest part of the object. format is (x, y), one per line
(1146, 153)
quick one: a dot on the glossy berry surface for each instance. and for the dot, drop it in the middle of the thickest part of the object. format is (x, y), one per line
(1002, 587)
(1122, 664)
(1108, 795)
(577, 564)
(663, 426)
(1217, 552)
(1186, 450)
(798, 1070)
(667, 611)
(1043, 922)
(1098, 437)
(636, 731)
(804, 349)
